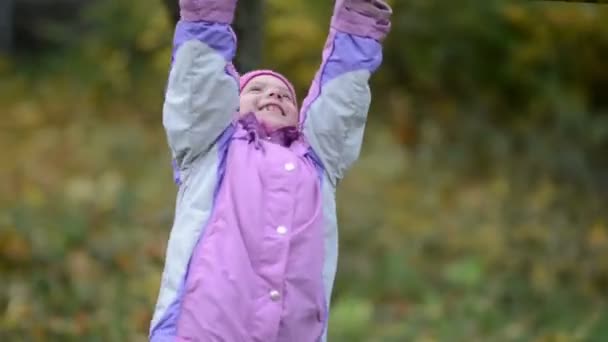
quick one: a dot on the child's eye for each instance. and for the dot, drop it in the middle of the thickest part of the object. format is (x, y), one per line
(255, 89)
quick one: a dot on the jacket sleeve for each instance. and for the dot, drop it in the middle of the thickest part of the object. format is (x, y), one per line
(202, 92)
(334, 113)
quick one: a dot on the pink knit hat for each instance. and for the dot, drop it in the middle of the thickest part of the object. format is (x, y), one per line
(246, 78)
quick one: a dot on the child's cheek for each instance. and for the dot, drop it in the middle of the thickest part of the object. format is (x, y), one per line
(246, 105)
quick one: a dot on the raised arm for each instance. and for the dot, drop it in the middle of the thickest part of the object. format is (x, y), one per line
(335, 111)
(202, 92)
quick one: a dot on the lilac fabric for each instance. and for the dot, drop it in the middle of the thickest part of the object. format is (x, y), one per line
(283, 136)
(167, 326)
(343, 53)
(224, 143)
(176, 173)
(256, 276)
(357, 28)
(216, 35)
(220, 37)
(231, 70)
(262, 266)
(365, 18)
(350, 53)
(220, 11)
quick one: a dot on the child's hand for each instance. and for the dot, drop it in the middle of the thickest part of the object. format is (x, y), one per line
(209, 10)
(362, 17)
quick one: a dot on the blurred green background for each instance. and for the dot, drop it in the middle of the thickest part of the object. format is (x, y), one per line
(477, 212)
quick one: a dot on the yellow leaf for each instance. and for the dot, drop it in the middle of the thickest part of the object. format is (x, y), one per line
(33, 195)
(542, 277)
(15, 247)
(598, 235)
(80, 190)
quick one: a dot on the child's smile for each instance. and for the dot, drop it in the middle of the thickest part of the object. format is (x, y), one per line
(271, 100)
(272, 108)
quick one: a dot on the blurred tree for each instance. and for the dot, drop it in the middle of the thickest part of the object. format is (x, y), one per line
(29, 25)
(249, 26)
(173, 9)
(6, 26)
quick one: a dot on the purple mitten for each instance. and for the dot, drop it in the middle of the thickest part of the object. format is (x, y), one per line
(219, 11)
(366, 18)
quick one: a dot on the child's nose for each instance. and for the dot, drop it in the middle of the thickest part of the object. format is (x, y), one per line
(275, 94)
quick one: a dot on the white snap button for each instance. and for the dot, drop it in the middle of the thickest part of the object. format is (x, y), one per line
(282, 230)
(275, 295)
(290, 167)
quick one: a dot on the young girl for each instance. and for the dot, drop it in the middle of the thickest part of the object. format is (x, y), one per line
(253, 249)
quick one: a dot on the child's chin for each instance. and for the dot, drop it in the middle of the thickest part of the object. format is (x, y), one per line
(271, 123)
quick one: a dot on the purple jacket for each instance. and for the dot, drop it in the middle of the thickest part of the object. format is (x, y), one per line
(253, 249)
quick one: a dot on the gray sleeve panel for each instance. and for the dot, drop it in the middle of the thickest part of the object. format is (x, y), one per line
(336, 122)
(200, 102)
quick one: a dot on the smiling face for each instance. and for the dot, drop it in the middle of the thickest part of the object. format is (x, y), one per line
(271, 100)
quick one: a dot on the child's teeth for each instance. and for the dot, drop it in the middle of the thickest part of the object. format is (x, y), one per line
(271, 107)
